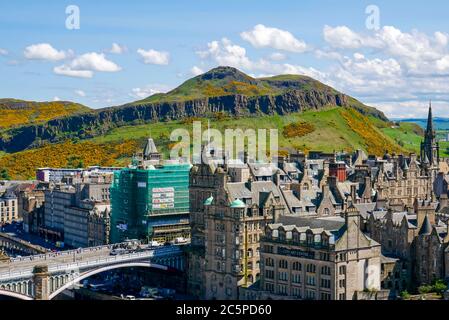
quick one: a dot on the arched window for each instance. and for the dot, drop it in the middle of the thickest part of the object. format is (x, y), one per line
(282, 235)
(311, 268)
(310, 238)
(325, 270)
(297, 266)
(283, 264)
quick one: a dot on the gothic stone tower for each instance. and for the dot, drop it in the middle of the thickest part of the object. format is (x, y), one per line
(430, 148)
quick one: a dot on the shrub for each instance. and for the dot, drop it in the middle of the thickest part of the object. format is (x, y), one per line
(425, 289)
(297, 129)
(405, 295)
(439, 287)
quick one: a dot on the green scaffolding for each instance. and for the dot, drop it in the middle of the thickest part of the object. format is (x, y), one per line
(142, 199)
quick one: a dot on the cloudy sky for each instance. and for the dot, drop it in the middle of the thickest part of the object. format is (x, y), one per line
(124, 51)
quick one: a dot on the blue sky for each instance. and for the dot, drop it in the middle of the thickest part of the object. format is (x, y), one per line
(160, 44)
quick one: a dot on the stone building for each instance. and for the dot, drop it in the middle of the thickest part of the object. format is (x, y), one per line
(78, 215)
(403, 180)
(336, 262)
(9, 210)
(416, 239)
(87, 224)
(228, 215)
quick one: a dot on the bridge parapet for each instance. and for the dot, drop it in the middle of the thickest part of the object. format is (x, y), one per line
(49, 277)
(10, 242)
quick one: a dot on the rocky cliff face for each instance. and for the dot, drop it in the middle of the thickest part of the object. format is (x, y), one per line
(222, 89)
(92, 124)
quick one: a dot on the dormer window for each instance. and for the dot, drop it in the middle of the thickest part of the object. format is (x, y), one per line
(282, 235)
(310, 240)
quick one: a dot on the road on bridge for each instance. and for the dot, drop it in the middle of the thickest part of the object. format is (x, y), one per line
(72, 258)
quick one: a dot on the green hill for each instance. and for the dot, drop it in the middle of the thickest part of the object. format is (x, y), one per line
(228, 81)
(327, 130)
(308, 115)
(19, 112)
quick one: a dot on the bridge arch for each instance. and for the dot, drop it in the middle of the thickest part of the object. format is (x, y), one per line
(89, 273)
(14, 295)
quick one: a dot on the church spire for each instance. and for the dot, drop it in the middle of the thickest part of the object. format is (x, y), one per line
(429, 129)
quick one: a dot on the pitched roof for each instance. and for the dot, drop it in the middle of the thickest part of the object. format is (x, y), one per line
(426, 227)
(150, 147)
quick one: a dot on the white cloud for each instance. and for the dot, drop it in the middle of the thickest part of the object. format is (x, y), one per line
(80, 93)
(225, 53)
(417, 52)
(412, 108)
(56, 98)
(277, 56)
(154, 57)
(196, 71)
(95, 62)
(391, 69)
(118, 49)
(44, 51)
(261, 36)
(67, 71)
(328, 54)
(342, 37)
(3, 52)
(84, 66)
(148, 90)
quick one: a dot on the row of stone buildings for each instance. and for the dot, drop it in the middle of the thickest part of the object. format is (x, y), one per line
(326, 226)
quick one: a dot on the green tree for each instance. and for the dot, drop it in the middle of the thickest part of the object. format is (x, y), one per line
(4, 175)
(439, 286)
(405, 295)
(425, 289)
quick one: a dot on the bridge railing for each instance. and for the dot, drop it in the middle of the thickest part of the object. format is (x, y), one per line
(27, 272)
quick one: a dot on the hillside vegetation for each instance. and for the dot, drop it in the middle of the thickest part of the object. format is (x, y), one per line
(331, 129)
(18, 112)
(23, 165)
(223, 90)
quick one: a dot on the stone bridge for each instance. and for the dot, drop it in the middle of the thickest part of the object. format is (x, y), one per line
(43, 277)
(12, 244)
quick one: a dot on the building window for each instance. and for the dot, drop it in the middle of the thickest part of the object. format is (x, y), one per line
(325, 296)
(324, 256)
(282, 276)
(310, 280)
(296, 266)
(296, 292)
(325, 283)
(310, 294)
(296, 278)
(269, 274)
(269, 287)
(325, 270)
(282, 289)
(311, 268)
(342, 283)
(342, 270)
(269, 262)
(283, 264)
(341, 296)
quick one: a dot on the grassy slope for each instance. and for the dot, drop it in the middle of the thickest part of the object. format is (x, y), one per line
(333, 129)
(409, 135)
(22, 165)
(18, 112)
